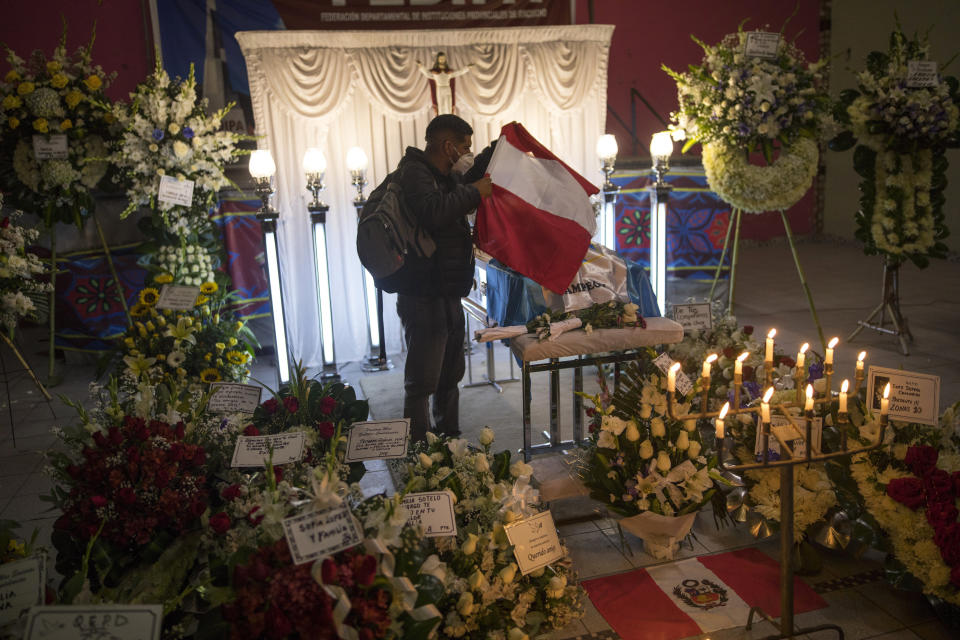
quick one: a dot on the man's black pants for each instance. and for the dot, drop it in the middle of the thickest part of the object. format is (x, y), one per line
(433, 329)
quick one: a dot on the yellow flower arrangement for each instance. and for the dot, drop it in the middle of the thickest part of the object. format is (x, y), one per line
(210, 375)
(12, 76)
(41, 125)
(163, 278)
(208, 288)
(220, 347)
(139, 310)
(11, 102)
(149, 296)
(13, 122)
(201, 300)
(59, 81)
(26, 88)
(66, 124)
(73, 98)
(53, 67)
(93, 82)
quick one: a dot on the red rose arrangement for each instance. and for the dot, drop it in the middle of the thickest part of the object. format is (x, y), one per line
(136, 480)
(938, 491)
(277, 599)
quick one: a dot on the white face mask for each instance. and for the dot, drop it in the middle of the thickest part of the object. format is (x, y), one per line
(463, 163)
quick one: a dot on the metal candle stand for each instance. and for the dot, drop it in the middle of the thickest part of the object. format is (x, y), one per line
(376, 361)
(786, 464)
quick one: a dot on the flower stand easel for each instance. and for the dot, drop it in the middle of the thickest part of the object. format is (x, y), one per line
(889, 304)
(5, 375)
(735, 219)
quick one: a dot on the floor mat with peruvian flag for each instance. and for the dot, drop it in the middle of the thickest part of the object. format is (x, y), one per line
(694, 596)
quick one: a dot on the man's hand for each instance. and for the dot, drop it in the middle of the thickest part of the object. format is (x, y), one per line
(484, 186)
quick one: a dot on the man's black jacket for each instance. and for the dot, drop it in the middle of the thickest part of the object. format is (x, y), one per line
(440, 203)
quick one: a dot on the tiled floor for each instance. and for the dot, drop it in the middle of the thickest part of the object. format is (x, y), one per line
(845, 286)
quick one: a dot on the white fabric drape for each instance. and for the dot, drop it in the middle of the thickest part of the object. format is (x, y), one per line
(336, 90)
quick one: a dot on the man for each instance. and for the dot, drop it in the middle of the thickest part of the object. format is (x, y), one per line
(440, 189)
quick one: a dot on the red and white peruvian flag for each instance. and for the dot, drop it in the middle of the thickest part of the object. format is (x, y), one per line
(539, 220)
(694, 596)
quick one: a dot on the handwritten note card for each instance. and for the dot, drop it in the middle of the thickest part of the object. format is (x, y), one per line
(233, 397)
(792, 435)
(922, 74)
(253, 451)
(664, 362)
(320, 533)
(762, 44)
(173, 191)
(535, 542)
(50, 147)
(693, 317)
(22, 585)
(116, 622)
(378, 439)
(914, 397)
(433, 511)
(177, 297)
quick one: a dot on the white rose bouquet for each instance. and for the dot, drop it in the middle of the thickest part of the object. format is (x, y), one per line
(485, 594)
(18, 272)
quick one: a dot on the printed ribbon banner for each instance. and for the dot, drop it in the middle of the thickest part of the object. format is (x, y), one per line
(694, 596)
(89, 313)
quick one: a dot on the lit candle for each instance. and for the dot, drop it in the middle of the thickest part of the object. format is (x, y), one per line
(768, 356)
(829, 358)
(765, 406)
(843, 396)
(672, 377)
(863, 354)
(885, 401)
(808, 406)
(738, 367)
(802, 356)
(707, 363)
(719, 421)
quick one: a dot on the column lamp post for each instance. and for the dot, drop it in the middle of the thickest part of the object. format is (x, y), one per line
(373, 296)
(607, 153)
(262, 169)
(661, 147)
(315, 165)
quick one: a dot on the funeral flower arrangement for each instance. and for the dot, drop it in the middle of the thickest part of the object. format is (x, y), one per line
(904, 498)
(737, 102)
(902, 125)
(54, 100)
(18, 270)
(168, 132)
(486, 595)
(185, 264)
(204, 344)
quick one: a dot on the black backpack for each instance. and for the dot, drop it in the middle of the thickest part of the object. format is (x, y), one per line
(388, 234)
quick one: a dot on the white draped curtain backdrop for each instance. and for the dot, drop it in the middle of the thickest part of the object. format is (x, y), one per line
(336, 90)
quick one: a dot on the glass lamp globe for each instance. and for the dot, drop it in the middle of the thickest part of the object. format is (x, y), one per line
(262, 164)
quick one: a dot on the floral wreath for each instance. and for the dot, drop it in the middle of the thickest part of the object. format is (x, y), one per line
(756, 189)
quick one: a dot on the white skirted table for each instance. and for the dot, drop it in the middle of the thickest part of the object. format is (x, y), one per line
(581, 349)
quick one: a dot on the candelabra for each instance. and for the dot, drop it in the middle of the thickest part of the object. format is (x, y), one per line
(607, 153)
(314, 165)
(262, 168)
(661, 146)
(789, 457)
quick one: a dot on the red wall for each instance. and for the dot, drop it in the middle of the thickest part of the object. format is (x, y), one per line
(649, 34)
(120, 44)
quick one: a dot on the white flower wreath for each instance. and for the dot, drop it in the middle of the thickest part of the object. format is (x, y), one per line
(756, 189)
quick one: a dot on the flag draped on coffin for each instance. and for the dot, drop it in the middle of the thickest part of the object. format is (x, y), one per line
(539, 219)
